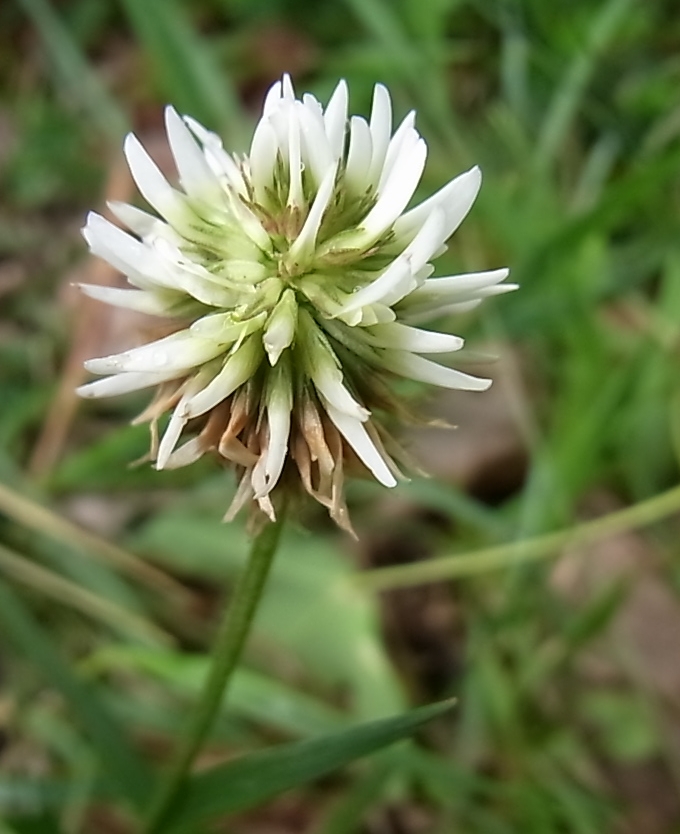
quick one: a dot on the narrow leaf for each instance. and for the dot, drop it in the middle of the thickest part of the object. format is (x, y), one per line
(257, 777)
(123, 767)
(72, 71)
(188, 72)
(48, 582)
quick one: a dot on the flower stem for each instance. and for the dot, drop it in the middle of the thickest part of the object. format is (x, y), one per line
(227, 649)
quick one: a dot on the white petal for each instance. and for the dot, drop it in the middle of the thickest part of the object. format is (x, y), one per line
(179, 418)
(396, 281)
(425, 244)
(355, 434)
(169, 267)
(455, 198)
(358, 156)
(328, 382)
(316, 150)
(250, 224)
(150, 181)
(111, 386)
(313, 106)
(194, 172)
(418, 308)
(420, 315)
(401, 276)
(464, 282)
(124, 252)
(287, 90)
(143, 302)
(306, 240)
(158, 264)
(280, 329)
(140, 222)
(237, 370)
(424, 370)
(323, 367)
(177, 352)
(263, 150)
(397, 191)
(295, 195)
(279, 431)
(462, 287)
(405, 135)
(171, 435)
(272, 99)
(402, 337)
(335, 119)
(221, 163)
(381, 130)
(268, 469)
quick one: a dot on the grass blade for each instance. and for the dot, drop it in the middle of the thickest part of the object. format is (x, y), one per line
(569, 93)
(47, 582)
(125, 770)
(30, 514)
(80, 83)
(187, 69)
(257, 777)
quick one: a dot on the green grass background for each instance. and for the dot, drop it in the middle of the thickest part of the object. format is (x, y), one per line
(573, 112)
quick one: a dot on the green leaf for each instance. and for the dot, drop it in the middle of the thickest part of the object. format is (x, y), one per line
(45, 581)
(257, 777)
(251, 694)
(124, 768)
(72, 71)
(569, 93)
(187, 70)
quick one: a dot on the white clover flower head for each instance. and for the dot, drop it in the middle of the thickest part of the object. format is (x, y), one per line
(292, 279)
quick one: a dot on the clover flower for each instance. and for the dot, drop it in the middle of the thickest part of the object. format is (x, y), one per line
(292, 280)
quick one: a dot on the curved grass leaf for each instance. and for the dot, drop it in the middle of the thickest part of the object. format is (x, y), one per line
(252, 695)
(187, 68)
(72, 72)
(257, 777)
(125, 770)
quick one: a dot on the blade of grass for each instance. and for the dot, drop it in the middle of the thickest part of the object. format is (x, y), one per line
(253, 695)
(568, 95)
(514, 65)
(504, 556)
(427, 84)
(51, 584)
(188, 71)
(30, 514)
(78, 80)
(257, 777)
(126, 771)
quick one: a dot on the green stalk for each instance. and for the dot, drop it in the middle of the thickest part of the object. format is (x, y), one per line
(507, 555)
(227, 649)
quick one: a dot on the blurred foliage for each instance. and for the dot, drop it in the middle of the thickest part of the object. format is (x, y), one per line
(573, 112)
